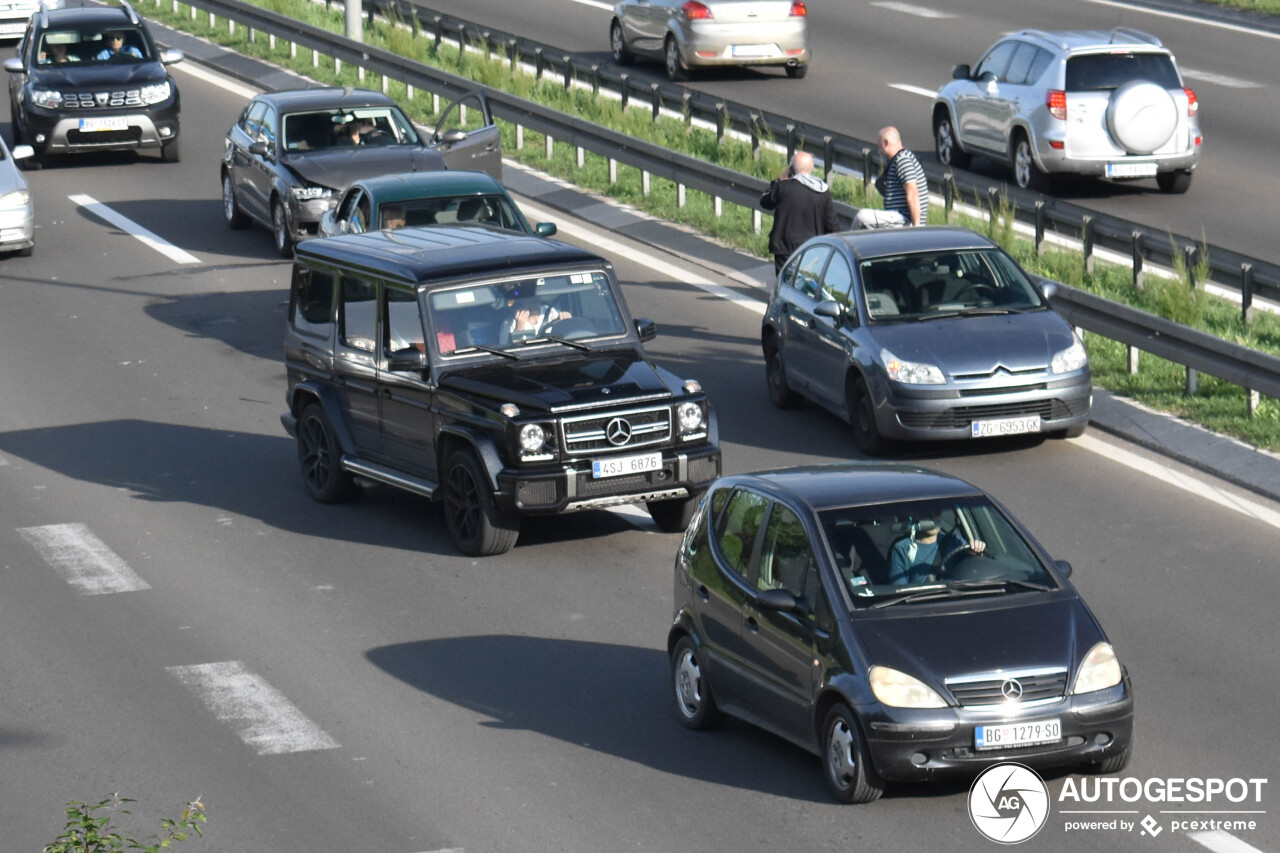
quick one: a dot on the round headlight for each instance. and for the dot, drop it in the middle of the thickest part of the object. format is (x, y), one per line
(532, 438)
(690, 416)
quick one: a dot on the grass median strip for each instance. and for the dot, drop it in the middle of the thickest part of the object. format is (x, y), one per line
(1159, 384)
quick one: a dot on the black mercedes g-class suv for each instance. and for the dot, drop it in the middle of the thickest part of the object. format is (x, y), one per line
(90, 78)
(498, 372)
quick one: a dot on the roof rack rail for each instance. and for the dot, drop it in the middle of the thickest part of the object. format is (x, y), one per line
(1047, 36)
(133, 16)
(44, 16)
(1127, 32)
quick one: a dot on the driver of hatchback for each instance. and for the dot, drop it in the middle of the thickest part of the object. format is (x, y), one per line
(918, 558)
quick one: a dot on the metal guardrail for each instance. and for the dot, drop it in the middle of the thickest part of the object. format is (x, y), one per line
(1197, 351)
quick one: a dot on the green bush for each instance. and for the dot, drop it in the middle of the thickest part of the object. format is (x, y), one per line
(89, 828)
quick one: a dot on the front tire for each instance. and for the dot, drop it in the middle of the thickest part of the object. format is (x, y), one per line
(676, 71)
(695, 706)
(862, 416)
(236, 219)
(673, 516)
(280, 229)
(171, 152)
(947, 145)
(776, 375)
(618, 44)
(320, 457)
(478, 526)
(845, 760)
(1174, 183)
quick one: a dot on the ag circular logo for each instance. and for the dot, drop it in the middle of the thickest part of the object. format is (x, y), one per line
(1008, 803)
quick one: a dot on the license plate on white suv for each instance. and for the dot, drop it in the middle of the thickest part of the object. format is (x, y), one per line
(626, 465)
(1005, 426)
(1131, 170)
(1017, 734)
(91, 125)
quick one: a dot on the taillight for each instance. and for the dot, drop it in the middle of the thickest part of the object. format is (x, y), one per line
(1056, 101)
(1193, 104)
(694, 11)
(798, 9)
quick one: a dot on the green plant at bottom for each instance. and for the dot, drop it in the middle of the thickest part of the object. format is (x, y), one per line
(89, 828)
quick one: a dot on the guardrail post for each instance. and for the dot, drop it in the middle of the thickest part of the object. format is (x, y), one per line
(613, 171)
(718, 203)
(488, 45)
(680, 195)
(1041, 216)
(551, 146)
(866, 171)
(513, 54)
(644, 182)
(568, 72)
(656, 100)
(1189, 254)
(756, 221)
(1193, 381)
(271, 41)
(828, 158)
(595, 79)
(1086, 238)
(993, 202)
(721, 121)
(537, 63)
(231, 26)
(439, 33)
(755, 136)
(624, 90)
(1138, 275)
(385, 82)
(213, 20)
(408, 91)
(519, 137)
(315, 58)
(686, 111)
(337, 65)
(1134, 352)
(1246, 294)
(1252, 399)
(435, 103)
(791, 142)
(582, 155)
(948, 195)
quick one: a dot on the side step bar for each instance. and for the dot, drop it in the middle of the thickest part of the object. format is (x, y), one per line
(374, 471)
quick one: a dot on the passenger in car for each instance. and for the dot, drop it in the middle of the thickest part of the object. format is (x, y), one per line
(56, 52)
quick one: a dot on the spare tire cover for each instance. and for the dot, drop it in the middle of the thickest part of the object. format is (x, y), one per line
(1141, 116)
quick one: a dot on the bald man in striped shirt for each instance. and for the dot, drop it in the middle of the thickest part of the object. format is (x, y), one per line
(903, 185)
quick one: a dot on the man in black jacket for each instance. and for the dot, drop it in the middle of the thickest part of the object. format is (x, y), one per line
(802, 208)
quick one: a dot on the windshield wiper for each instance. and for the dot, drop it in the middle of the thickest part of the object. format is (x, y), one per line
(540, 338)
(921, 595)
(974, 312)
(992, 583)
(941, 315)
(479, 348)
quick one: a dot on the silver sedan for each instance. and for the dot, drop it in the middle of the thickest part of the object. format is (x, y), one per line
(688, 34)
(17, 219)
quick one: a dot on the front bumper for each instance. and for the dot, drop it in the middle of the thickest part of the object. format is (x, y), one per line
(684, 473)
(59, 133)
(930, 413)
(914, 744)
(305, 215)
(17, 228)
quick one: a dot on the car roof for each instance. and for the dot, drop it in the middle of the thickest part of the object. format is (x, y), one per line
(1125, 38)
(414, 185)
(99, 16)
(900, 241)
(290, 100)
(441, 252)
(855, 483)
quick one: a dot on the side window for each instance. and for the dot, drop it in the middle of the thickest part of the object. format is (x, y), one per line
(788, 276)
(837, 281)
(347, 205)
(360, 221)
(809, 270)
(786, 562)
(267, 133)
(403, 321)
(359, 316)
(465, 113)
(311, 301)
(997, 60)
(252, 121)
(736, 534)
(1038, 65)
(1020, 65)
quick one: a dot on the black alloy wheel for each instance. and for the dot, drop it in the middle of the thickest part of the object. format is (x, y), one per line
(478, 527)
(845, 760)
(862, 416)
(280, 229)
(320, 457)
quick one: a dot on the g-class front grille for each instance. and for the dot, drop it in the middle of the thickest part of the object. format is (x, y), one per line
(616, 430)
(101, 100)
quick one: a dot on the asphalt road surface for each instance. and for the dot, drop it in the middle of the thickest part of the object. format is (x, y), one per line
(179, 619)
(878, 62)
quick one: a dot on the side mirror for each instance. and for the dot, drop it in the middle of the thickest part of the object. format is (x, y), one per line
(777, 599)
(22, 152)
(14, 65)
(1063, 567)
(449, 137)
(407, 360)
(262, 149)
(961, 72)
(829, 308)
(646, 329)
(1048, 289)
(987, 77)
(545, 229)
(170, 56)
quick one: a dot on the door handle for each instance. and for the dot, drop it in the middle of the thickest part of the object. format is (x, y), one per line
(386, 392)
(703, 594)
(752, 625)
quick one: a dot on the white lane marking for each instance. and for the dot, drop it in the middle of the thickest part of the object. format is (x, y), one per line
(1219, 79)
(1220, 841)
(909, 9)
(595, 4)
(915, 90)
(606, 245)
(448, 850)
(1191, 19)
(83, 559)
(199, 73)
(127, 225)
(263, 717)
(1187, 483)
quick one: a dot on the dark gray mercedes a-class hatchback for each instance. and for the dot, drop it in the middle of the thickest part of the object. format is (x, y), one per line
(896, 621)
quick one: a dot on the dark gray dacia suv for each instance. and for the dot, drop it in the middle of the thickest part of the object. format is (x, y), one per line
(500, 373)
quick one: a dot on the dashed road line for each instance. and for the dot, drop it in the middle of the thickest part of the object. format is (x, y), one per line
(263, 717)
(1191, 19)
(127, 225)
(1219, 79)
(83, 559)
(910, 9)
(1221, 841)
(915, 90)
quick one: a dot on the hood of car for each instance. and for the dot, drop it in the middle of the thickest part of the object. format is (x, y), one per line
(934, 643)
(576, 380)
(978, 344)
(338, 168)
(75, 75)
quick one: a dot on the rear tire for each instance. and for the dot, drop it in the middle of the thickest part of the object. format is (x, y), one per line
(1174, 183)
(236, 219)
(797, 72)
(695, 705)
(862, 416)
(320, 456)
(947, 145)
(1026, 173)
(478, 526)
(776, 375)
(846, 763)
(618, 44)
(676, 71)
(673, 515)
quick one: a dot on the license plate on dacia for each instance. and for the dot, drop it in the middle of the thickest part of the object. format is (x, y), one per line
(91, 125)
(621, 465)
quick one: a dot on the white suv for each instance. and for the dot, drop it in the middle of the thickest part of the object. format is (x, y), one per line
(1086, 102)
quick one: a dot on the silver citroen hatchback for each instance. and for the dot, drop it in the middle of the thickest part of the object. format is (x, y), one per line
(1087, 102)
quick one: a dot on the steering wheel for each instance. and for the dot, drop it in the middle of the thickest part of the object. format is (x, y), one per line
(957, 551)
(977, 287)
(569, 328)
(377, 136)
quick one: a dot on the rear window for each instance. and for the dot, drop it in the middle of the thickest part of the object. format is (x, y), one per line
(1096, 71)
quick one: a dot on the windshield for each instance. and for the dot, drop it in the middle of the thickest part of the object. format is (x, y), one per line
(119, 44)
(513, 314)
(932, 284)
(492, 210)
(319, 130)
(951, 547)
